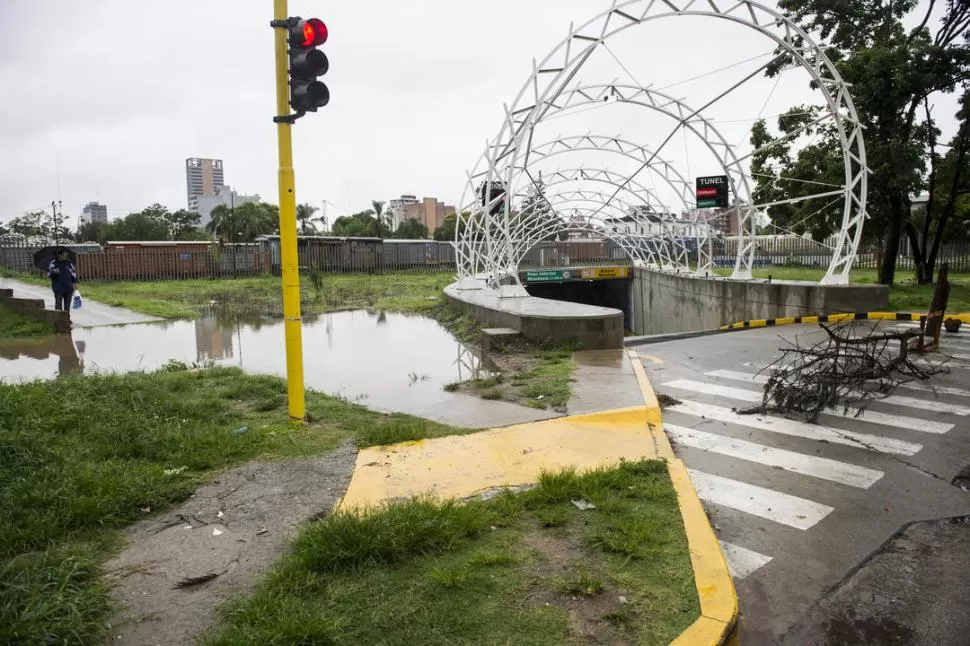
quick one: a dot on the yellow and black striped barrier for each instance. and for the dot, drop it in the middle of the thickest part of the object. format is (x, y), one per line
(837, 318)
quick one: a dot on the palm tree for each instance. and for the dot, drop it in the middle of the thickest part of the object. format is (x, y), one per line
(221, 223)
(304, 215)
(380, 216)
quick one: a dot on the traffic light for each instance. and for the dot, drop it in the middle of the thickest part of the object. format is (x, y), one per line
(307, 63)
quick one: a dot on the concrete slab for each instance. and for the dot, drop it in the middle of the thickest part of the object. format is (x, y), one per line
(93, 314)
(502, 457)
(603, 380)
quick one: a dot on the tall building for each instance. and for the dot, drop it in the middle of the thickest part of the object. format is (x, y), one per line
(398, 209)
(205, 203)
(203, 177)
(94, 213)
(429, 211)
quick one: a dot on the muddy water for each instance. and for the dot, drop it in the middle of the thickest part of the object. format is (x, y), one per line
(385, 361)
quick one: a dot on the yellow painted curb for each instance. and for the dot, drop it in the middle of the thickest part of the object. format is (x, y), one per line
(836, 318)
(712, 578)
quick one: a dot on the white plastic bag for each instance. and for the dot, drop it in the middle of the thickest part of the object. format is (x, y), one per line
(77, 303)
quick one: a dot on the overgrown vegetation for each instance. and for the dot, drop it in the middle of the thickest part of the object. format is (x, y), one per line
(538, 376)
(174, 299)
(82, 457)
(15, 325)
(904, 296)
(527, 568)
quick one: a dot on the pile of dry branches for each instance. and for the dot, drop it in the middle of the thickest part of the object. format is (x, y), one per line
(851, 367)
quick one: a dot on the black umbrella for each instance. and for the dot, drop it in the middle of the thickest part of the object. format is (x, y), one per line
(44, 257)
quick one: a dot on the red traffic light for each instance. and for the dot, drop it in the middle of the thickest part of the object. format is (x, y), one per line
(309, 33)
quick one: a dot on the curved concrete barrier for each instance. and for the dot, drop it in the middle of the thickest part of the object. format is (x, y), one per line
(542, 320)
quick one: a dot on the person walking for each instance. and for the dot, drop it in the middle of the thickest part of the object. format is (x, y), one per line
(63, 275)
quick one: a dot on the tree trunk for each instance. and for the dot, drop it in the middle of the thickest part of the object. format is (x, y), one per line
(950, 207)
(887, 272)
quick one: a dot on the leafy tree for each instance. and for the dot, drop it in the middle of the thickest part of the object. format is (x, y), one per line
(893, 71)
(182, 224)
(446, 232)
(220, 224)
(99, 232)
(244, 223)
(411, 229)
(32, 224)
(149, 224)
(3, 230)
(304, 215)
(360, 225)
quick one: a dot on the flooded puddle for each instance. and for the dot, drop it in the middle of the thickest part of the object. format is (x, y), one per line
(390, 362)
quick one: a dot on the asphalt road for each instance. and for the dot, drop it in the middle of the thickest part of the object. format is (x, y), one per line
(798, 507)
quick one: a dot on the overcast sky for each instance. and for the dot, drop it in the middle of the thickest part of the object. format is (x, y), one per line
(104, 102)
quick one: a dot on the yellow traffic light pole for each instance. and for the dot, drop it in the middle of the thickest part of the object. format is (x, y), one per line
(289, 257)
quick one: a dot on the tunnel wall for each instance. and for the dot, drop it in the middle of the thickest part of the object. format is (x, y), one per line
(614, 294)
(663, 303)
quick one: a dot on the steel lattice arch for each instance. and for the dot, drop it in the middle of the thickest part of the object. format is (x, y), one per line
(495, 232)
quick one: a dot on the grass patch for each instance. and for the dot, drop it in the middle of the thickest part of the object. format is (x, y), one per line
(16, 325)
(904, 296)
(176, 299)
(82, 457)
(483, 573)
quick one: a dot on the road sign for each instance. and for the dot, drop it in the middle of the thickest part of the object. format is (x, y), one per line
(548, 276)
(606, 273)
(712, 192)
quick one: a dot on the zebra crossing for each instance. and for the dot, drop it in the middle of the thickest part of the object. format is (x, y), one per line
(703, 418)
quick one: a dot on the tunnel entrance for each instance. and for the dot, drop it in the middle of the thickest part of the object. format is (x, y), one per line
(603, 293)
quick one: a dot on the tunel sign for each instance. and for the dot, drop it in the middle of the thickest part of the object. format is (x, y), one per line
(712, 192)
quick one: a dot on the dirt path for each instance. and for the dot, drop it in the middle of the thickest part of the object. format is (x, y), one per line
(217, 544)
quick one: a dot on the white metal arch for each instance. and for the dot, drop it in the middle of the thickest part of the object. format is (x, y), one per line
(619, 146)
(551, 77)
(671, 251)
(688, 118)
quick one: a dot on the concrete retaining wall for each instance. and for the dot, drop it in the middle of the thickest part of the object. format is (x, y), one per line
(664, 303)
(543, 321)
(35, 308)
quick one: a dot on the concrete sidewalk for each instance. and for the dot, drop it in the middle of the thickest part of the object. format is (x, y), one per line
(92, 314)
(463, 466)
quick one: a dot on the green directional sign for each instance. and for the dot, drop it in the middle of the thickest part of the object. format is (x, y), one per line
(551, 276)
(707, 204)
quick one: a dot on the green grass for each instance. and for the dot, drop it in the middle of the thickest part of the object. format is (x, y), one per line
(904, 296)
(440, 573)
(175, 299)
(81, 457)
(15, 325)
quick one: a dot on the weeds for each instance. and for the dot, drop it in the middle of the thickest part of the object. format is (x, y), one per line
(16, 325)
(435, 573)
(82, 457)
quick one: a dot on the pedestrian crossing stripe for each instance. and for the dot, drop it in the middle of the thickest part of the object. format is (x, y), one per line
(862, 415)
(895, 400)
(800, 463)
(775, 506)
(741, 561)
(794, 428)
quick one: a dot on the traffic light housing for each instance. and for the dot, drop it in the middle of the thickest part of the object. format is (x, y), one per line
(307, 63)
